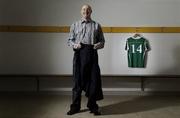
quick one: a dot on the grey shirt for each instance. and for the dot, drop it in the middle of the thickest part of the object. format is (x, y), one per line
(86, 32)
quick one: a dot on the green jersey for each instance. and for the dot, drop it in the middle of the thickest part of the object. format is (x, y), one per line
(136, 51)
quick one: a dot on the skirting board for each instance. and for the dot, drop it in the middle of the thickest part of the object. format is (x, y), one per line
(112, 91)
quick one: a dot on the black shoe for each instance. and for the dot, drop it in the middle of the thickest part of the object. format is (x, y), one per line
(71, 112)
(96, 112)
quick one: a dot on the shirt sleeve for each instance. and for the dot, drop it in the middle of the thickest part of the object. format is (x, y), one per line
(100, 36)
(71, 38)
(147, 46)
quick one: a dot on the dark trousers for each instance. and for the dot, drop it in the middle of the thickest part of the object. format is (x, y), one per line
(86, 76)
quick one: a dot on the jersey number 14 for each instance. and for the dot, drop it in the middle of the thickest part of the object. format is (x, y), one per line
(138, 49)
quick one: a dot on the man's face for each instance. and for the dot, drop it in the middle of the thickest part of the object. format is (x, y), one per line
(86, 12)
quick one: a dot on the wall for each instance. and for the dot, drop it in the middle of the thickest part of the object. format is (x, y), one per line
(48, 53)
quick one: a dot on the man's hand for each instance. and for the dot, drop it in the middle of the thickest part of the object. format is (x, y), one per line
(98, 45)
(77, 46)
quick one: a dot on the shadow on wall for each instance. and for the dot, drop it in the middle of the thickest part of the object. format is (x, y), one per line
(20, 12)
(18, 51)
(146, 54)
(175, 70)
(27, 53)
(169, 83)
(139, 104)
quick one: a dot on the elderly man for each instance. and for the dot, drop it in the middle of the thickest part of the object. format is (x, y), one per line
(86, 37)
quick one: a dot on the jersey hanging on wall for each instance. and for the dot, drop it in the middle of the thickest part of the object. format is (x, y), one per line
(136, 47)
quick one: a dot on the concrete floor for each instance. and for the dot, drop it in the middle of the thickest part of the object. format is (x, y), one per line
(56, 106)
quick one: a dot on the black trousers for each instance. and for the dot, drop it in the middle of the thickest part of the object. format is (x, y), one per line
(86, 76)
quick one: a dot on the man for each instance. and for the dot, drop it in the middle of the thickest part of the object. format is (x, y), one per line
(86, 37)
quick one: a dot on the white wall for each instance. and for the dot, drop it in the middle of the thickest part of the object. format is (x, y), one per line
(47, 53)
(162, 59)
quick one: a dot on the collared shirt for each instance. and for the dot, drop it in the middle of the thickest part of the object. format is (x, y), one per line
(86, 32)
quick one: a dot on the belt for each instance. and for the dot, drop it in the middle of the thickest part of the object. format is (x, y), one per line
(86, 45)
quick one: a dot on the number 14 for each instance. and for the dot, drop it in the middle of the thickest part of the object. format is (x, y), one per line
(138, 49)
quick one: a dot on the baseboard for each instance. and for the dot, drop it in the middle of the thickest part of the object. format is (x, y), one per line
(113, 91)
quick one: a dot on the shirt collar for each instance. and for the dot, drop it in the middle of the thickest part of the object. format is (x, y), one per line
(85, 20)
